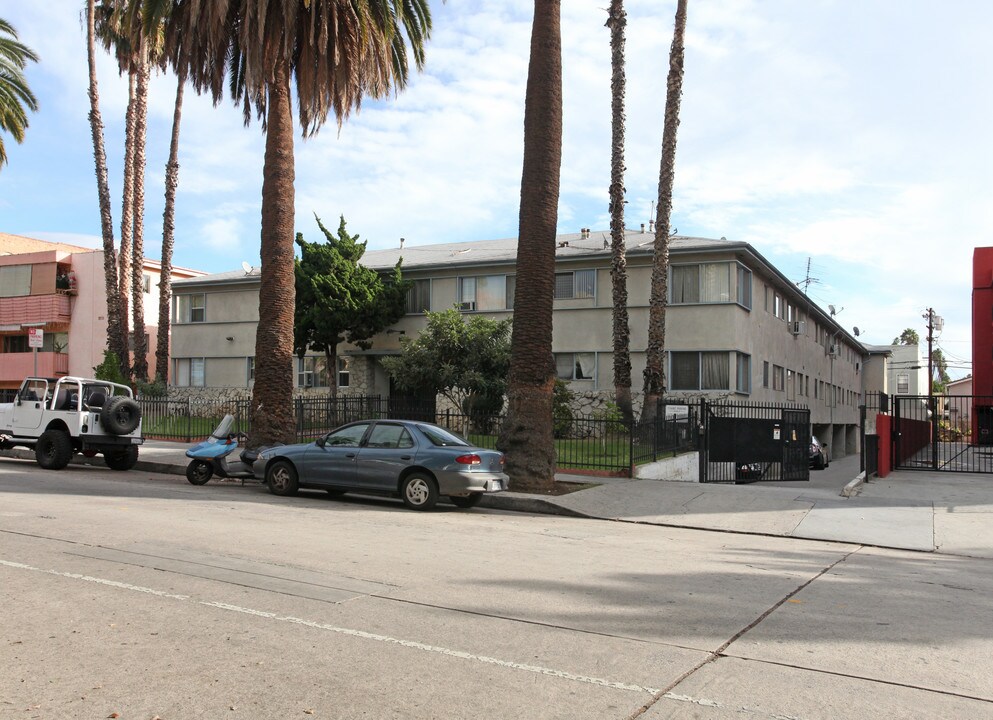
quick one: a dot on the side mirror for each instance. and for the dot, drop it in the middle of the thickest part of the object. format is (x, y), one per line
(321, 441)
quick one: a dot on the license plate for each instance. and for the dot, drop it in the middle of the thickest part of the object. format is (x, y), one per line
(496, 485)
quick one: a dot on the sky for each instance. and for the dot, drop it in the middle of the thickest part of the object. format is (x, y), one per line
(848, 143)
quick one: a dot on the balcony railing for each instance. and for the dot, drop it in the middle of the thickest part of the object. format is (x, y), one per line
(17, 366)
(25, 309)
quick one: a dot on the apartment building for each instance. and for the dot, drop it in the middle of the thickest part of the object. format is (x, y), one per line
(59, 290)
(735, 327)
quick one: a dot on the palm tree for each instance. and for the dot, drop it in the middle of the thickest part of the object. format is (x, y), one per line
(335, 51)
(116, 338)
(168, 236)
(15, 95)
(526, 437)
(616, 21)
(140, 368)
(655, 360)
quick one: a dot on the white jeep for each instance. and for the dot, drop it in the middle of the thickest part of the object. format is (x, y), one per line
(68, 415)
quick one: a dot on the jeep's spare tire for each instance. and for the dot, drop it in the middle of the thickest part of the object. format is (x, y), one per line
(120, 415)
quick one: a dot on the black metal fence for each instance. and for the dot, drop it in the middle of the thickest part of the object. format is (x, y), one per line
(598, 442)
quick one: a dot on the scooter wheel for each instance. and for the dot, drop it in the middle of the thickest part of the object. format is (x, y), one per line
(199, 472)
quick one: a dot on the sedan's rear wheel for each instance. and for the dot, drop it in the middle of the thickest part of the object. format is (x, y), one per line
(467, 501)
(419, 491)
(281, 477)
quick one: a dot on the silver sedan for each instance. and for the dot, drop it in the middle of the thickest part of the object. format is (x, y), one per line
(417, 461)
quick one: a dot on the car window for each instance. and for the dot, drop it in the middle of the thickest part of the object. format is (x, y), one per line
(440, 436)
(389, 436)
(347, 436)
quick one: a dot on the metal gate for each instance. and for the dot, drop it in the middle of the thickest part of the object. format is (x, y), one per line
(945, 433)
(746, 442)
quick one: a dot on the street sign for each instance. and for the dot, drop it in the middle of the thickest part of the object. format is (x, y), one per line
(36, 337)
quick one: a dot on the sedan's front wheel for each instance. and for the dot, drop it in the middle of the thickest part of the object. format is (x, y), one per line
(281, 477)
(419, 491)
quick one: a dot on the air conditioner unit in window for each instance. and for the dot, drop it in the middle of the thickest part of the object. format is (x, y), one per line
(468, 305)
(833, 350)
(798, 327)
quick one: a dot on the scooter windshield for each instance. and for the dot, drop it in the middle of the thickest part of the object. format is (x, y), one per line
(224, 429)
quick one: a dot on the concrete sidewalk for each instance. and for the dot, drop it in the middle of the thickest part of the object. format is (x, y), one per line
(935, 512)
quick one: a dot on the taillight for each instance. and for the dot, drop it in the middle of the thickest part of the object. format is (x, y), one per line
(472, 459)
(503, 460)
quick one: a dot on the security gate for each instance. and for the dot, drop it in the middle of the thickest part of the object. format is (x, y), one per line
(746, 442)
(945, 433)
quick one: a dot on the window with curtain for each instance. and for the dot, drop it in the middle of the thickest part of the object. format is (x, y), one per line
(419, 297)
(744, 287)
(312, 372)
(190, 308)
(699, 371)
(575, 285)
(903, 383)
(15, 280)
(484, 292)
(744, 372)
(344, 375)
(703, 283)
(575, 366)
(189, 372)
(714, 371)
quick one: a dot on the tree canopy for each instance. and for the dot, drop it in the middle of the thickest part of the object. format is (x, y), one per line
(907, 337)
(463, 358)
(338, 299)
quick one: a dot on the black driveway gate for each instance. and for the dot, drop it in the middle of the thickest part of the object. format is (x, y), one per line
(947, 433)
(745, 442)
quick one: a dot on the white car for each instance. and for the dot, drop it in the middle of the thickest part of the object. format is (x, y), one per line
(58, 417)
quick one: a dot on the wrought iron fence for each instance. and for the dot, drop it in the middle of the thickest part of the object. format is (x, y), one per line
(596, 442)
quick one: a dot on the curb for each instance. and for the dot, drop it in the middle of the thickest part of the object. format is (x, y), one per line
(854, 486)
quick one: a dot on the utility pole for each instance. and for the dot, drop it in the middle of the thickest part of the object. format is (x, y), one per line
(934, 322)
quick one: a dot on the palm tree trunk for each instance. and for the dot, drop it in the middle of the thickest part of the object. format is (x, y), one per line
(114, 332)
(272, 402)
(168, 238)
(616, 21)
(655, 360)
(526, 437)
(138, 242)
(127, 209)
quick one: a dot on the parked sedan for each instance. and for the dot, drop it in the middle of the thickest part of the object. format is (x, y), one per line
(818, 454)
(417, 461)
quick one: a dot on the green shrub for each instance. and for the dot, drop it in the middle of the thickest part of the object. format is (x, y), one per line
(110, 369)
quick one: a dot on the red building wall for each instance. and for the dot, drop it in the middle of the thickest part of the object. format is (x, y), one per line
(982, 343)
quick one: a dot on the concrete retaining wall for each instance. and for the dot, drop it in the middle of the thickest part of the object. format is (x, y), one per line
(682, 468)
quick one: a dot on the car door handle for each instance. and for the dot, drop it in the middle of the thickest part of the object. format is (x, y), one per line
(405, 457)
(349, 455)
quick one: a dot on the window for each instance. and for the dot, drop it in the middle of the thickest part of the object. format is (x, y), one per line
(486, 292)
(778, 378)
(765, 373)
(390, 437)
(575, 366)
(146, 284)
(189, 372)
(349, 436)
(191, 308)
(790, 385)
(419, 297)
(703, 283)
(312, 372)
(777, 305)
(344, 376)
(251, 370)
(15, 344)
(744, 287)
(579, 284)
(744, 373)
(903, 383)
(15, 280)
(699, 371)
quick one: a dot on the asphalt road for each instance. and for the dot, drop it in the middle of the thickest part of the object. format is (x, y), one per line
(144, 596)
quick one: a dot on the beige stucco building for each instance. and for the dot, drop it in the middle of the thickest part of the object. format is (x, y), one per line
(736, 326)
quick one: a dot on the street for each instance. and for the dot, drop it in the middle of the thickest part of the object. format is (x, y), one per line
(139, 596)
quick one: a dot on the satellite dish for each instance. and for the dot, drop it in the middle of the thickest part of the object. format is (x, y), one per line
(856, 330)
(831, 309)
(246, 267)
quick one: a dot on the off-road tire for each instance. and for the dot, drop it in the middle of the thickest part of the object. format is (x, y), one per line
(121, 459)
(53, 451)
(120, 416)
(198, 472)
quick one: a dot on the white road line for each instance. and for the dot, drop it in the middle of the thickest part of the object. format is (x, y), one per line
(100, 581)
(347, 631)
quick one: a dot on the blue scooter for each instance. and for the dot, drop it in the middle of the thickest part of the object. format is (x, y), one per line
(210, 457)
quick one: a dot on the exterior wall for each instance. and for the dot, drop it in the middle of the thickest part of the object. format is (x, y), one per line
(982, 320)
(907, 359)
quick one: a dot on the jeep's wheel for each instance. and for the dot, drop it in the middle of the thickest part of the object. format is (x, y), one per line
(120, 415)
(198, 472)
(53, 451)
(121, 459)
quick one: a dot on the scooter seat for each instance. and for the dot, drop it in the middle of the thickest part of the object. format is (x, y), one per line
(249, 456)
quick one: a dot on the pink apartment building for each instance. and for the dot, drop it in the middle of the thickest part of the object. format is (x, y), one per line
(60, 290)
